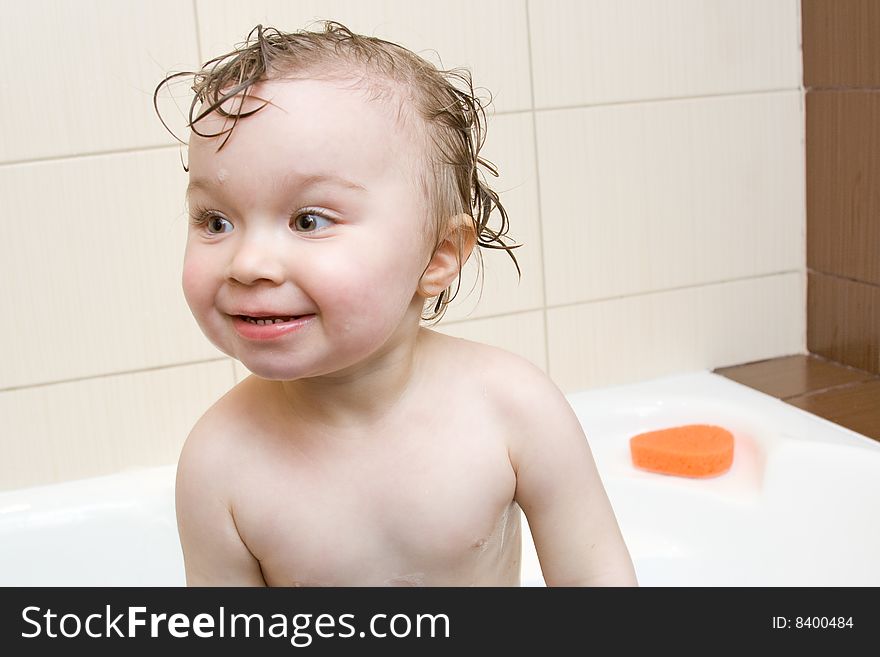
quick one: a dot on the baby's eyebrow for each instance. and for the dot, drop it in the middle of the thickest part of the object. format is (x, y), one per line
(206, 183)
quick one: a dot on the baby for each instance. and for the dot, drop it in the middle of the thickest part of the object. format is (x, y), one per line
(333, 196)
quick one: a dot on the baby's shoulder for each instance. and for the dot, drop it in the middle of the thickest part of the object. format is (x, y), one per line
(495, 365)
(533, 414)
(513, 385)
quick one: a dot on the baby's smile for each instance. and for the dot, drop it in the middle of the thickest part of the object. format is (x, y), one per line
(269, 328)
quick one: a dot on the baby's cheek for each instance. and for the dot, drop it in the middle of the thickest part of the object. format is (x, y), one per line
(392, 283)
(193, 282)
(369, 292)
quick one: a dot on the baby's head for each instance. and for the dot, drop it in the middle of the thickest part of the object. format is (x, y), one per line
(437, 112)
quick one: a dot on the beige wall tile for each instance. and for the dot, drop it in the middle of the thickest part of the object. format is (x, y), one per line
(103, 425)
(489, 37)
(82, 74)
(646, 336)
(651, 196)
(92, 254)
(510, 147)
(520, 333)
(601, 51)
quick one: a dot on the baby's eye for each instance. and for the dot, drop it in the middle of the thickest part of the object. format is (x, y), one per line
(216, 224)
(310, 222)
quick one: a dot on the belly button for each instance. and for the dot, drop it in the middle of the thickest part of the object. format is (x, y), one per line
(480, 545)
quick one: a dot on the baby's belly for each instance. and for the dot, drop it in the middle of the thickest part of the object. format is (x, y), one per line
(473, 547)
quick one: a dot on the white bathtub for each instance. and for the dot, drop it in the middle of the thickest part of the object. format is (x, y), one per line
(800, 505)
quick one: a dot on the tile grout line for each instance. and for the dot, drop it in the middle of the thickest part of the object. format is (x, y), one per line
(837, 387)
(532, 110)
(538, 191)
(846, 89)
(641, 293)
(77, 156)
(802, 100)
(198, 31)
(107, 375)
(813, 270)
(678, 288)
(668, 99)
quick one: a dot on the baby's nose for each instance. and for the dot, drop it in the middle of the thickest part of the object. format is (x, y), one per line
(257, 258)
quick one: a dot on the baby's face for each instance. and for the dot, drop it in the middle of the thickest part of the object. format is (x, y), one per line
(308, 211)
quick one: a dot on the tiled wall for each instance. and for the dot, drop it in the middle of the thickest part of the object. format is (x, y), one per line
(651, 160)
(842, 74)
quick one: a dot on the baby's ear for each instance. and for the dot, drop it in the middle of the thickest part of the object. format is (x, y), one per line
(449, 256)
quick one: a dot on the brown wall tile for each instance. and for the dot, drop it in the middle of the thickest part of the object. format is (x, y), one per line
(843, 183)
(841, 47)
(791, 376)
(843, 320)
(856, 407)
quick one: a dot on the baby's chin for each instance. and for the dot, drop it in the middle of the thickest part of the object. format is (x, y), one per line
(341, 365)
(274, 372)
(280, 366)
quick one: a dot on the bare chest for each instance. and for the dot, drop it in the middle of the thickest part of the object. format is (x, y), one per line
(433, 508)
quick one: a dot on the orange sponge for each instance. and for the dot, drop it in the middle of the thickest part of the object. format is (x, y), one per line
(693, 450)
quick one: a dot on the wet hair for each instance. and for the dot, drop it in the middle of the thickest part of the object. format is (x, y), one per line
(450, 121)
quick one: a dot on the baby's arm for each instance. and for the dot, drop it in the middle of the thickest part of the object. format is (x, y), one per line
(213, 552)
(558, 487)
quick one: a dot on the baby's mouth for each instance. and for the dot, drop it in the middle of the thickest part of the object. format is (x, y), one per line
(262, 321)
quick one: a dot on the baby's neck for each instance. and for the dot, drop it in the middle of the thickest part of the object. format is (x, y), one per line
(362, 397)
